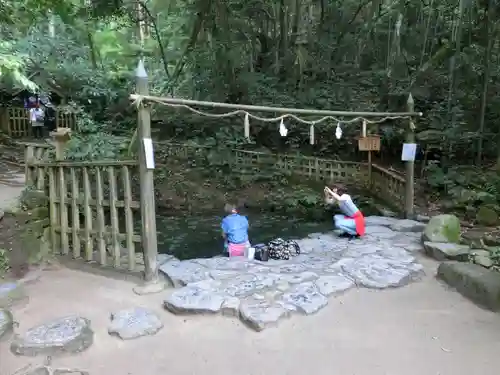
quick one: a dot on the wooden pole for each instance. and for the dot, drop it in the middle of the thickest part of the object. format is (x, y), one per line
(410, 165)
(257, 108)
(148, 212)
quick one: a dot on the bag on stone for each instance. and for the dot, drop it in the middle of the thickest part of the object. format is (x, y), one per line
(261, 252)
(281, 249)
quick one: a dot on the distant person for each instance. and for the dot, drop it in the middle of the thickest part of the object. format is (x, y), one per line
(235, 232)
(36, 119)
(352, 222)
(50, 116)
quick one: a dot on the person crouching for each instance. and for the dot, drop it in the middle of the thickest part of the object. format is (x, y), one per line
(352, 222)
(234, 231)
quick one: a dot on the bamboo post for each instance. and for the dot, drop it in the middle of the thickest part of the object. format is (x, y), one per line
(410, 165)
(148, 214)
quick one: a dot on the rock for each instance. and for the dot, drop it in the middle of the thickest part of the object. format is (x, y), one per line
(379, 231)
(6, 323)
(261, 314)
(447, 251)
(487, 216)
(374, 271)
(195, 298)
(423, 218)
(482, 257)
(39, 371)
(2, 214)
(133, 323)
(477, 283)
(305, 298)
(379, 221)
(181, 273)
(474, 238)
(34, 198)
(11, 294)
(407, 226)
(490, 240)
(69, 372)
(328, 285)
(442, 228)
(65, 335)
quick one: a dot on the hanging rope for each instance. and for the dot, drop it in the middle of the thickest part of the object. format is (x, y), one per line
(139, 99)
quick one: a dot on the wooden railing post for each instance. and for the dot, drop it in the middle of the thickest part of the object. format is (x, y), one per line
(146, 168)
(410, 164)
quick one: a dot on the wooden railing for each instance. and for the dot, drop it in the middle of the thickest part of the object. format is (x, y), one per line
(15, 121)
(384, 183)
(388, 186)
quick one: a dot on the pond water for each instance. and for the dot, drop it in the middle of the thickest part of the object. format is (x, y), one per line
(200, 237)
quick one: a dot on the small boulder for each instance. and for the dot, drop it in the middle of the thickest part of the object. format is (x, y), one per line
(11, 294)
(65, 335)
(482, 257)
(133, 323)
(442, 228)
(447, 251)
(487, 216)
(6, 323)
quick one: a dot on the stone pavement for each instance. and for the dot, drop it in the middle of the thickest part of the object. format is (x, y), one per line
(263, 293)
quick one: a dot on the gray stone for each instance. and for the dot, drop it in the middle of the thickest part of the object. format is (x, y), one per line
(6, 324)
(374, 271)
(69, 372)
(39, 371)
(133, 323)
(482, 257)
(181, 273)
(261, 314)
(477, 283)
(195, 298)
(379, 221)
(379, 231)
(407, 226)
(11, 294)
(65, 335)
(306, 298)
(2, 214)
(334, 284)
(423, 218)
(443, 251)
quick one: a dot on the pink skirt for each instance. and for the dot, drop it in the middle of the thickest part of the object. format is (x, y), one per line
(237, 249)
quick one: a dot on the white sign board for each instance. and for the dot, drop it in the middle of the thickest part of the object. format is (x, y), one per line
(409, 152)
(148, 153)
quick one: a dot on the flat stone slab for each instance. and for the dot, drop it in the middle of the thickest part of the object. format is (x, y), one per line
(447, 251)
(263, 293)
(11, 293)
(70, 334)
(6, 324)
(133, 323)
(408, 226)
(474, 282)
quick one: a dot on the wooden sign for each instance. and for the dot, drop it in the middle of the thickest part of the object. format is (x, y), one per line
(369, 143)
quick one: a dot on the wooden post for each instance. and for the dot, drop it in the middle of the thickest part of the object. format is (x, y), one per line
(370, 183)
(410, 165)
(148, 212)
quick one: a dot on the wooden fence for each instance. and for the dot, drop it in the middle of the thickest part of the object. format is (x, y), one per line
(86, 202)
(15, 121)
(87, 199)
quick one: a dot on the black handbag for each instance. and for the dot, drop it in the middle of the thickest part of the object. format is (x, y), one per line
(261, 252)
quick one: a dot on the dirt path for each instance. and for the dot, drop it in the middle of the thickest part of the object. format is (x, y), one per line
(420, 329)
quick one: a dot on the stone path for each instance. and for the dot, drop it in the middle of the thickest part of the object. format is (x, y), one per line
(263, 293)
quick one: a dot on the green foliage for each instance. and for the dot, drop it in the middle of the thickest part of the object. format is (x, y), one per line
(4, 261)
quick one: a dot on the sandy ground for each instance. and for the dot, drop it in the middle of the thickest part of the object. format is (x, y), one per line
(421, 329)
